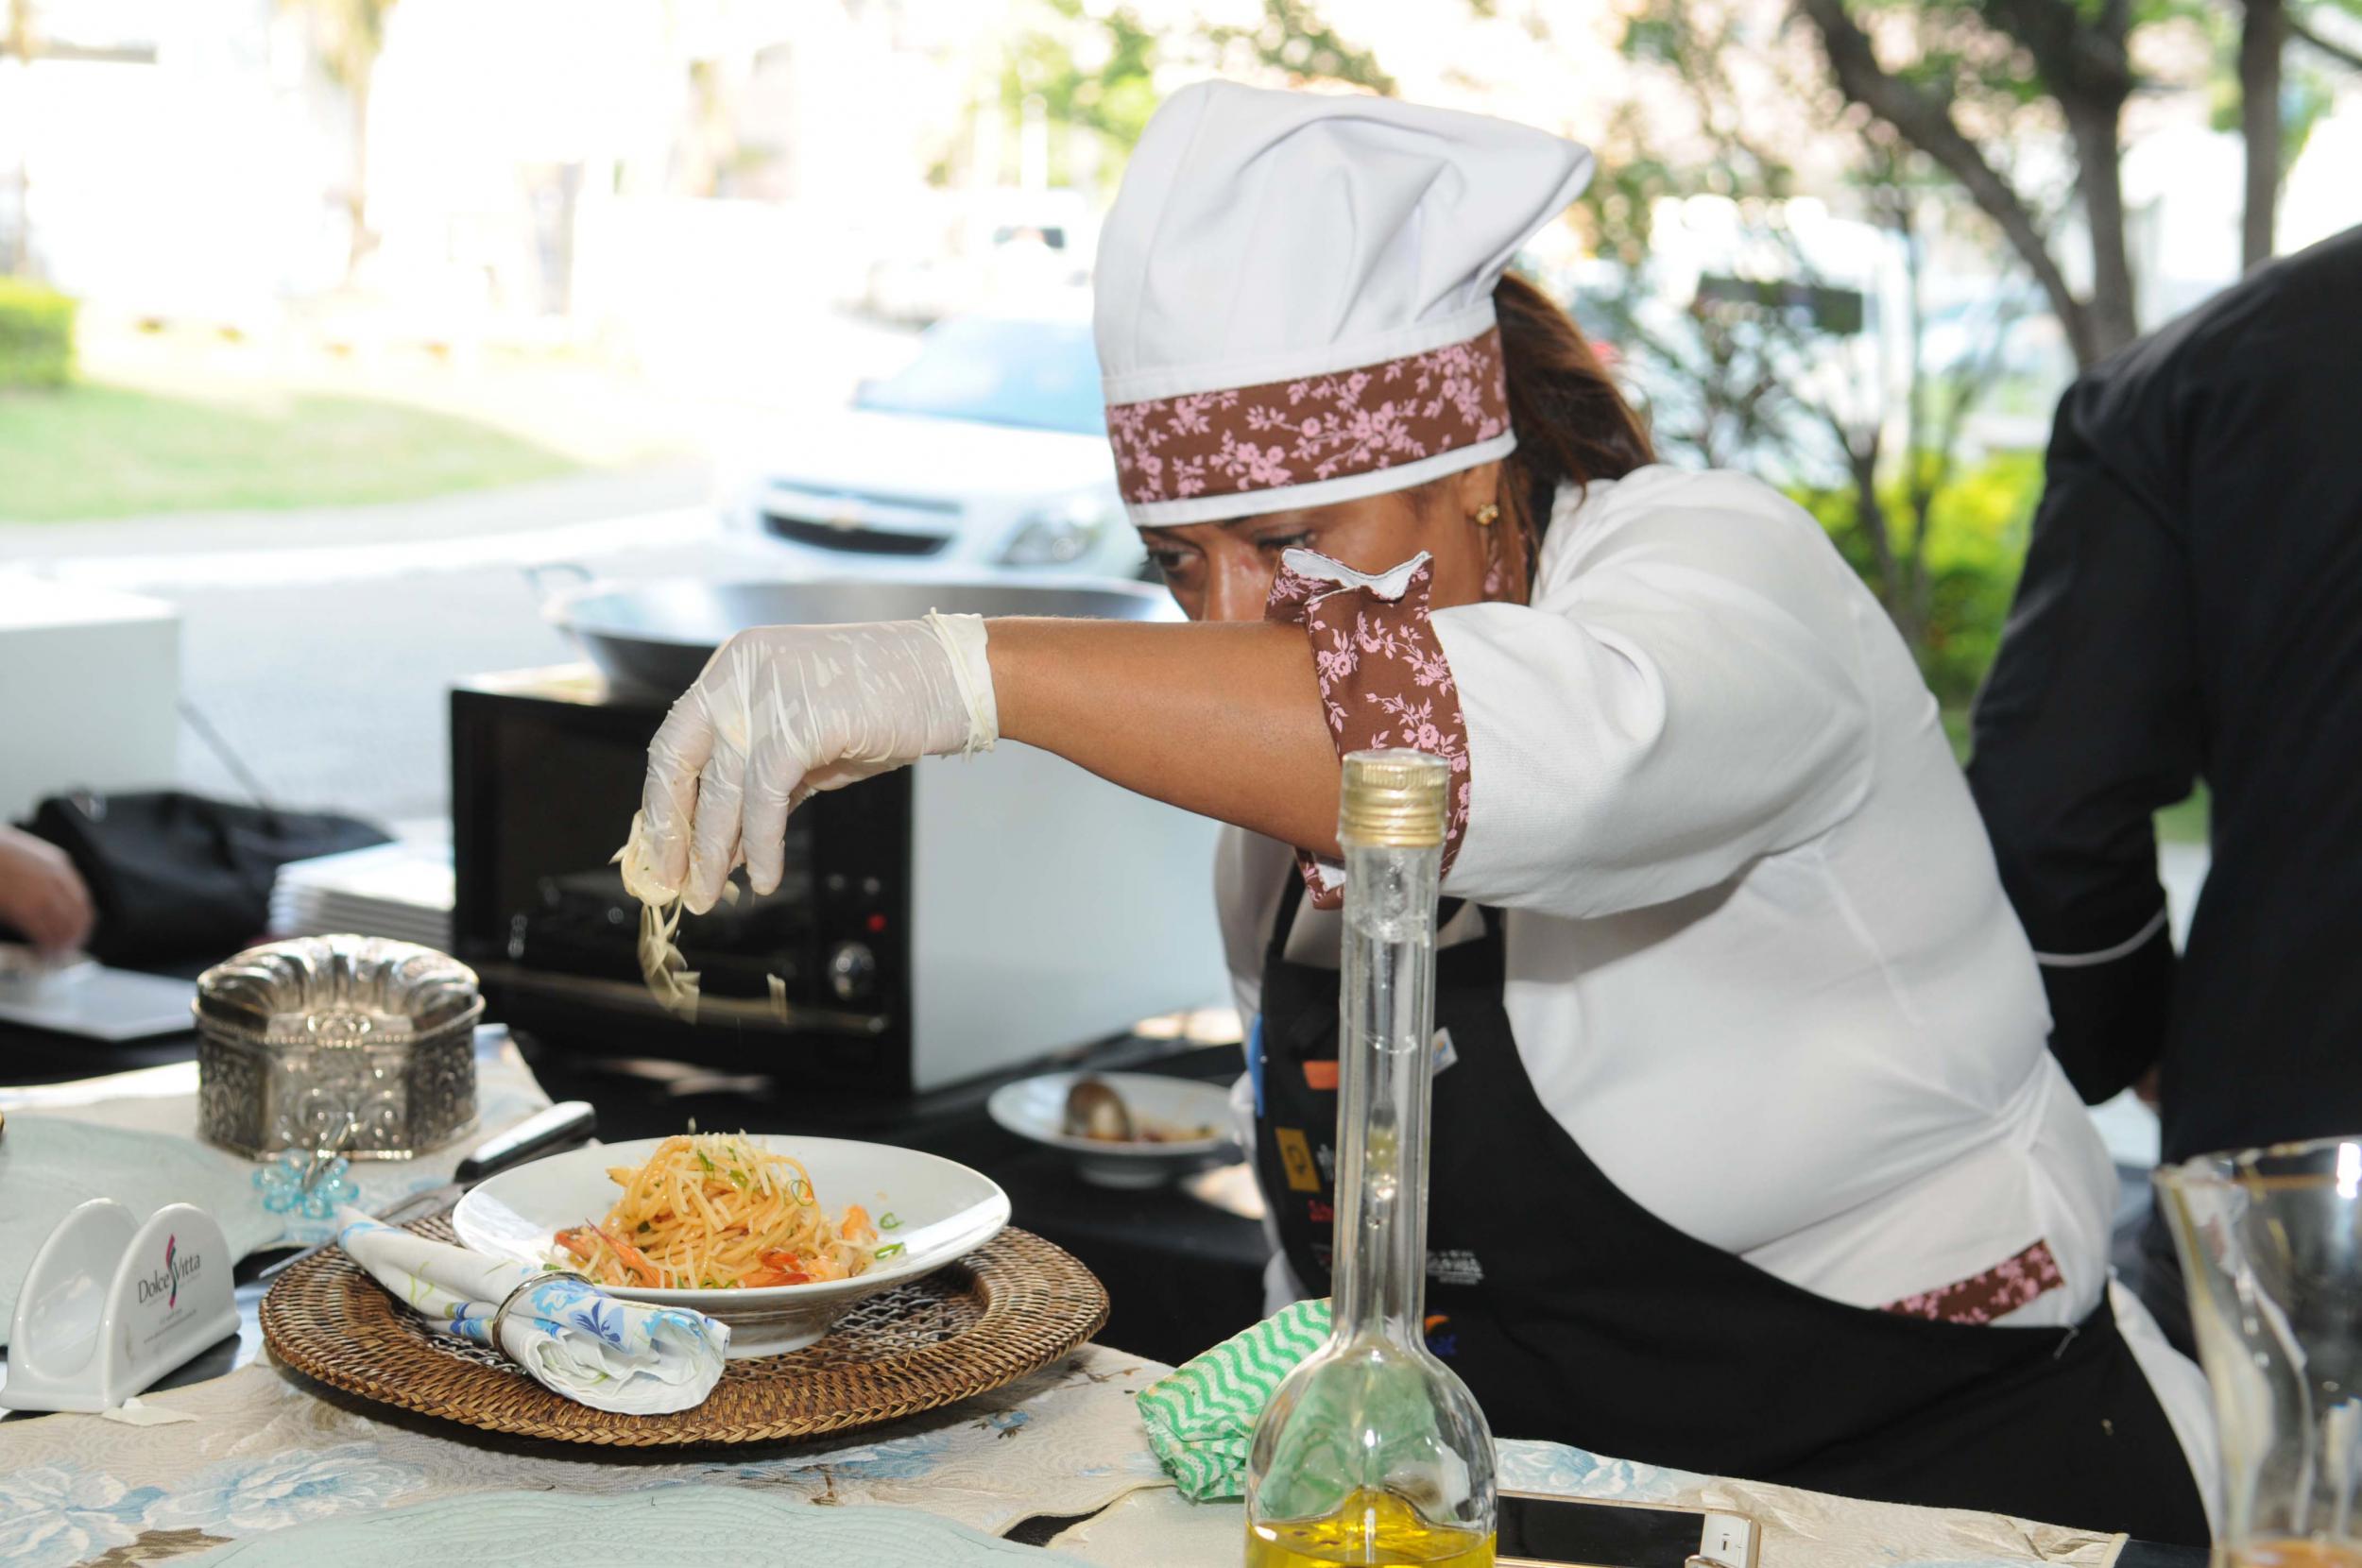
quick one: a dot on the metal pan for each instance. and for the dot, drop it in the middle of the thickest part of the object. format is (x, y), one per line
(658, 635)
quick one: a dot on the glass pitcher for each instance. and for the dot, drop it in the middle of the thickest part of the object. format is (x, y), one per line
(2270, 1242)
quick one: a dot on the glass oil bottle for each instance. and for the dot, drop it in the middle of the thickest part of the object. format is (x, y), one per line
(1373, 1452)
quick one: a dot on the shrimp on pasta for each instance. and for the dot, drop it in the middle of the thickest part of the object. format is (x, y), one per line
(712, 1210)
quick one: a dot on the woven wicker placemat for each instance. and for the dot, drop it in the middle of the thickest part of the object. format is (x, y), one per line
(1009, 1308)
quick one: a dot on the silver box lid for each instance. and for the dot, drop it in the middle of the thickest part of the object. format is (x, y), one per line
(337, 986)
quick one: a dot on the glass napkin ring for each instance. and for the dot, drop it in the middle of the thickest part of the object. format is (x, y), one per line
(303, 1184)
(548, 1274)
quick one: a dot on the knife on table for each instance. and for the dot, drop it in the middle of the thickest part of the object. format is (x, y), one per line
(561, 1126)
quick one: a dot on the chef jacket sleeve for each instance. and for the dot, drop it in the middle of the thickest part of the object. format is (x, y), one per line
(2089, 722)
(1687, 700)
(1383, 678)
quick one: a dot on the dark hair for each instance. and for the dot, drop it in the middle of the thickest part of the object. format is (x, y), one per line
(1573, 426)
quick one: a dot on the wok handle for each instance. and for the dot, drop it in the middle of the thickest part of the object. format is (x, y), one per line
(537, 574)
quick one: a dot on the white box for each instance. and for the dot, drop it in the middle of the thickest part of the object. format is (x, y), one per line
(90, 687)
(1050, 908)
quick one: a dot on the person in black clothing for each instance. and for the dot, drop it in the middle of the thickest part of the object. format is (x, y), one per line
(2192, 610)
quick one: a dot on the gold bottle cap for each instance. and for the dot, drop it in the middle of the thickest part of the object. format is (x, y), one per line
(1394, 799)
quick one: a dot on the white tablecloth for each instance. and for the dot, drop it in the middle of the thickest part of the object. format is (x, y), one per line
(265, 1450)
(132, 1136)
(262, 1449)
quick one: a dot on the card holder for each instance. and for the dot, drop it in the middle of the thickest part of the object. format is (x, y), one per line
(1539, 1531)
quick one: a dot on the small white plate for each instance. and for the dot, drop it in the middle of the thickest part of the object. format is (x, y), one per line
(947, 1211)
(1036, 1108)
(75, 996)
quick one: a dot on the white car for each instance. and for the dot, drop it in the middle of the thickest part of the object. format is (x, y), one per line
(986, 452)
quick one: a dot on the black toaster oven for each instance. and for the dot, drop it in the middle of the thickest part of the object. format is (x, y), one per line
(934, 924)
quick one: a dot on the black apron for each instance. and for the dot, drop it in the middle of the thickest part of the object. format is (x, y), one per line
(1576, 1315)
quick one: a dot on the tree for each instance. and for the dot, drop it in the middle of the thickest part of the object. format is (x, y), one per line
(1960, 59)
(2271, 135)
(1768, 367)
(2263, 34)
(346, 37)
(1931, 69)
(2304, 27)
(1096, 70)
(18, 45)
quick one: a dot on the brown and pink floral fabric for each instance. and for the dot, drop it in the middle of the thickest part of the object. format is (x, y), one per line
(1985, 1297)
(1314, 428)
(1384, 682)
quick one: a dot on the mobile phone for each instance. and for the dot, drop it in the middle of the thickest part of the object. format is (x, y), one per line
(1575, 1532)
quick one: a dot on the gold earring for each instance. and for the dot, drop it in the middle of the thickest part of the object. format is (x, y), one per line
(1487, 515)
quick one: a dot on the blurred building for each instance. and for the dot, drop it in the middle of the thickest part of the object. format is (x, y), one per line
(2185, 189)
(592, 166)
(169, 156)
(649, 172)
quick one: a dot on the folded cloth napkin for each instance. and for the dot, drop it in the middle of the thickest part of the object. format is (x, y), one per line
(568, 1335)
(1201, 1420)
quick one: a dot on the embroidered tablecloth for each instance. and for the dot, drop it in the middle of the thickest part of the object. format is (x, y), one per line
(262, 1449)
(267, 1450)
(684, 1525)
(1801, 1529)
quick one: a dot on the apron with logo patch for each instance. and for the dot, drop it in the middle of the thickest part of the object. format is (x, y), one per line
(1577, 1317)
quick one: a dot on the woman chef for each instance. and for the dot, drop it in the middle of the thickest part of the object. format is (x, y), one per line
(1749, 1156)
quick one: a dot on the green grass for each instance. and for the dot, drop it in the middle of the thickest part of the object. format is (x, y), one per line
(2184, 822)
(97, 450)
(1956, 730)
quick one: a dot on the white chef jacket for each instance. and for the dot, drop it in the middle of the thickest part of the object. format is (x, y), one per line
(1759, 963)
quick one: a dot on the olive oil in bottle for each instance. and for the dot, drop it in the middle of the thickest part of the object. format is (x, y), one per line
(1372, 1528)
(1372, 1452)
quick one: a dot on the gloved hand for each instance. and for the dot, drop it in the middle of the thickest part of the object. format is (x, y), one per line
(784, 711)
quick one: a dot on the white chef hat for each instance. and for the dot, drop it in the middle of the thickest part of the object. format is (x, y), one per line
(1295, 297)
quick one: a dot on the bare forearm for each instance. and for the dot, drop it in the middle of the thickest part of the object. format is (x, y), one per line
(1222, 719)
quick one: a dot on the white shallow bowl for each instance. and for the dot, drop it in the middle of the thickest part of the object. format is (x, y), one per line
(1036, 1108)
(945, 1211)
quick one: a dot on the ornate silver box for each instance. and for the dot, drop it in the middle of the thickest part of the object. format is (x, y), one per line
(295, 1036)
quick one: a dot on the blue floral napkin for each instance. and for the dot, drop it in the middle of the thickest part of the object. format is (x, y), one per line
(568, 1336)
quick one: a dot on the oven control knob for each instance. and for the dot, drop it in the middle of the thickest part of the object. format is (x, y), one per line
(852, 970)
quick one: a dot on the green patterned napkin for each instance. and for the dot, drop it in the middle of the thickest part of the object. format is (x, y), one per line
(1202, 1419)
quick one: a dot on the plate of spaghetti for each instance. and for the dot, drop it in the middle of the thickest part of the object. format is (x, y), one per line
(775, 1235)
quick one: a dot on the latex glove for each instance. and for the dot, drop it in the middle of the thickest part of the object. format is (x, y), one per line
(784, 711)
(42, 896)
